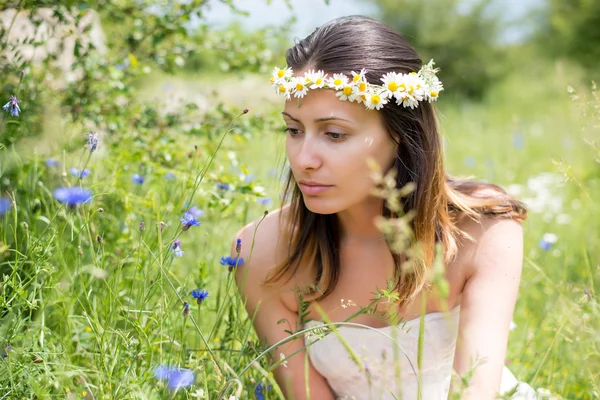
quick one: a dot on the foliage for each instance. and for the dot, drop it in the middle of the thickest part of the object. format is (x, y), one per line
(462, 43)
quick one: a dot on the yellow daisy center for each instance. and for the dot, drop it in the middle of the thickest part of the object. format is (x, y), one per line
(356, 78)
(402, 87)
(319, 81)
(337, 81)
(411, 90)
(280, 73)
(299, 87)
(375, 99)
(282, 89)
(362, 86)
(413, 73)
(392, 86)
(362, 96)
(347, 90)
(434, 94)
(272, 79)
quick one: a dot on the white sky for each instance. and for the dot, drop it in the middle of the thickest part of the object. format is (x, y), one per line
(312, 13)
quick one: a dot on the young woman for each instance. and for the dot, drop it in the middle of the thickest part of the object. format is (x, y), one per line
(356, 90)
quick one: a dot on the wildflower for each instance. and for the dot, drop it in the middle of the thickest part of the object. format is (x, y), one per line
(198, 394)
(283, 360)
(199, 295)
(176, 247)
(169, 176)
(547, 241)
(512, 326)
(137, 178)
(76, 172)
(232, 262)
(186, 309)
(73, 195)
(92, 141)
(238, 246)
(5, 205)
(51, 162)
(196, 212)
(223, 186)
(188, 220)
(142, 226)
(265, 201)
(176, 378)
(12, 106)
(259, 392)
(99, 239)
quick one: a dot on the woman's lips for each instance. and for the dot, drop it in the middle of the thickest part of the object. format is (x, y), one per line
(313, 189)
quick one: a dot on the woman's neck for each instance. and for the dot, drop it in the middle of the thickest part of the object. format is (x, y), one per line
(358, 222)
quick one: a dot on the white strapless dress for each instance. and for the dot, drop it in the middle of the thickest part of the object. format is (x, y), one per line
(375, 349)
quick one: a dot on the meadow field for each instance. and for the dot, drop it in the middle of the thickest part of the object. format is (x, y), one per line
(102, 287)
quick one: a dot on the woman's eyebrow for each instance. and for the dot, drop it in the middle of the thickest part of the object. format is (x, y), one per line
(325, 119)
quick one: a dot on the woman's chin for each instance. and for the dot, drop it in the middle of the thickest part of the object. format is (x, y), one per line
(320, 206)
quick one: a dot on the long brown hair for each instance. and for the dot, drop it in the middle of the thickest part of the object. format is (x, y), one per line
(350, 44)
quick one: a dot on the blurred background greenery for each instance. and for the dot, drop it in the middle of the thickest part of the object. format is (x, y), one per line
(160, 82)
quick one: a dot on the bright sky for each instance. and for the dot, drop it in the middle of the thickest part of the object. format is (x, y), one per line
(312, 13)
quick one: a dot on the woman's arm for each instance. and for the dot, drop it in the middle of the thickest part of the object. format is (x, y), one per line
(487, 304)
(266, 303)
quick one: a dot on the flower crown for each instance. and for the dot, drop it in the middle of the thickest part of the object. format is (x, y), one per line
(408, 89)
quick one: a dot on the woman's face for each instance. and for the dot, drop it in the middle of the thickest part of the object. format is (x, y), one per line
(328, 143)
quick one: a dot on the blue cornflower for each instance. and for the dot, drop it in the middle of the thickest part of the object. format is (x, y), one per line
(73, 195)
(177, 378)
(76, 172)
(248, 178)
(223, 186)
(547, 241)
(176, 247)
(265, 201)
(12, 106)
(199, 295)
(186, 309)
(259, 392)
(232, 262)
(238, 246)
(51, 162)
(169, 176)
(92, 141)
(196, 212)
(137, 178)
(188, 220)
(5, 205)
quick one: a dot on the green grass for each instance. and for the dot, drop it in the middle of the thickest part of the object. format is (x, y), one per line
(83, 316)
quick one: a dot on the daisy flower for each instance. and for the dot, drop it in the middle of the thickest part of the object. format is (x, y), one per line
(391, 83)
(358, 77)
(376, 100)
(299, 87)
(346, 93)
(360, 92)
(283, 88)
(280, 75)
(317, 79)
(338, 81)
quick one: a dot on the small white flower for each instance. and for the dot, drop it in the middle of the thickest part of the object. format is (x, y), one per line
(360, 91)
(282, 358)
(284, 89)
(391, 83)
(280, 75)
(338, 81)
(376, 100)
(550, 238)
(359, 77)
(299, 87)
(198, 394)
(512, 325)
(346, 93)
(317, 79)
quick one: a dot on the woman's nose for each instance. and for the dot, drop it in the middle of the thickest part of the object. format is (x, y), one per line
(309, 154)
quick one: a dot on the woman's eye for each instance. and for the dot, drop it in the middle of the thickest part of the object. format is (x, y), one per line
(335, 136)
(291, 131)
